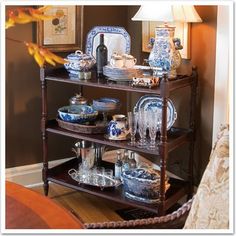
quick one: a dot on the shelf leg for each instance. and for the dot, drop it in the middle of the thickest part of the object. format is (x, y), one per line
(192, 126)
(43, 130)
(45, 181)
(163, 141)
(191, 182)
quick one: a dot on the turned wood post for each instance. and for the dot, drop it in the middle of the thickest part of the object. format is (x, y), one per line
(163, 140)
(43, 130)
(192, 126)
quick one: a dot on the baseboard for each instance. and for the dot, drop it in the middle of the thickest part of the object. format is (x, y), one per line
(29, 175)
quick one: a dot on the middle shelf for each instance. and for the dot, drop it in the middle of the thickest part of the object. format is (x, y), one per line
(176, 137)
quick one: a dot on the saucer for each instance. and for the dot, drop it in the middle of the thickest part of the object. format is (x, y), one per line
(117, 138)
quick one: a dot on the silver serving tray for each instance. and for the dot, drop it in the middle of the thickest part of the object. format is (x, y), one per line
(110, 182)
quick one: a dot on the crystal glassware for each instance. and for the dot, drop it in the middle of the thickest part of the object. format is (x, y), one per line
(142, 127)
(83, 173)
(108, 177)
(132, 121)
(159, 125)
(99, 173)
(153, 118)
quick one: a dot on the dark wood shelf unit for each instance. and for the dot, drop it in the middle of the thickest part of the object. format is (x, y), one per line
(59, 175)
(169, 140)
(61, 75)
(176, 137)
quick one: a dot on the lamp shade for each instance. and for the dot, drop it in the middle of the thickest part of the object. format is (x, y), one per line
(167, 13)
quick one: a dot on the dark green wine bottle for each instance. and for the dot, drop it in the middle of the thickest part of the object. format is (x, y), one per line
(101, 56)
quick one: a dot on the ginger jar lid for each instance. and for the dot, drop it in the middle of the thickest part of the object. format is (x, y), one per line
(78, 99)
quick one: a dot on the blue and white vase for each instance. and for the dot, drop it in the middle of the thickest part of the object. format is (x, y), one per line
(164, 58)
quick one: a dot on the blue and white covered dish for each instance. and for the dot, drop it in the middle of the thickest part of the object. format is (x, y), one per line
(143, 184)
(82, 114)
(79, 61)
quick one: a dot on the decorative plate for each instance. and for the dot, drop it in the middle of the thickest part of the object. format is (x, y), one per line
(154, 102)
(116, 39)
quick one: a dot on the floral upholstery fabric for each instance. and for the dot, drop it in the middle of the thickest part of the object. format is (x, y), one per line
(210, 208)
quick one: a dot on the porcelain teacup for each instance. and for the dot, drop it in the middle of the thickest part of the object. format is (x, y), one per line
(116, 61)
(129, 61)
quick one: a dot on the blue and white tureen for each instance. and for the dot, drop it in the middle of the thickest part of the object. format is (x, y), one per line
(78, 61)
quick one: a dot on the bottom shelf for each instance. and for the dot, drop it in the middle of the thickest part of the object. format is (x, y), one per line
(59, 175)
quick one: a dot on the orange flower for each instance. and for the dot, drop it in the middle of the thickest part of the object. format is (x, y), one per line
(42, 55)
(26, 15)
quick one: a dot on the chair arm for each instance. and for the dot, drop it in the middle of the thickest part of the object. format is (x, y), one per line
(155, 222)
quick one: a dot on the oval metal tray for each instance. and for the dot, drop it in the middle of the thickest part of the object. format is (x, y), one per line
(110, 182)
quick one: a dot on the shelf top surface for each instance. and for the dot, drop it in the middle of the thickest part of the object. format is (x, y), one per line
(61, 75)
(59, 174)
(176, 137)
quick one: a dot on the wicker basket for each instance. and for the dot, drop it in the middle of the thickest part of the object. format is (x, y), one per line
(79, 128)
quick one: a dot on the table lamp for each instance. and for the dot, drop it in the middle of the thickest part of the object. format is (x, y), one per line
(164, 56)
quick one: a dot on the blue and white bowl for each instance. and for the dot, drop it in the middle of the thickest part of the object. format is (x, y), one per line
(82, 114)
(106, 104)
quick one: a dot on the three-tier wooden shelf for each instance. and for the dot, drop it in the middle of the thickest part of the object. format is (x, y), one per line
(169, 141)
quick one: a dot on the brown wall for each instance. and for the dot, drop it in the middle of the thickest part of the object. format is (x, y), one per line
(203, 55)
(23, 94)
(23, 88)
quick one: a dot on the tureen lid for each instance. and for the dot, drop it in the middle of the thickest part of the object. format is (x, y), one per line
(78, 99)
(78, 55)
(142, 174)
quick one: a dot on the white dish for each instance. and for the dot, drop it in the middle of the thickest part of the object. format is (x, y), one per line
(116, 39)
(154, 102)
(121, 74)
(119, 79)
(117, 138)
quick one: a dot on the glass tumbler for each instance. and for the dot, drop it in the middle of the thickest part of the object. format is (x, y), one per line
(83, 173)
(152, 128)
(132, 121)
(98, 178)
(142, 127)
(108, 177)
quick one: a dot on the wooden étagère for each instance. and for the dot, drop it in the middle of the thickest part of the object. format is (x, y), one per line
(169, 140)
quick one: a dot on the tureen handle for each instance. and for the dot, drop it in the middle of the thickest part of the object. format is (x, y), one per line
(78, 52)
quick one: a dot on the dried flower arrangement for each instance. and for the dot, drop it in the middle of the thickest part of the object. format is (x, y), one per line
(26, 15)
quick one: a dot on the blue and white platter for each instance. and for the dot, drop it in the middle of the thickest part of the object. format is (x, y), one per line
(154, 102)
(116, 39)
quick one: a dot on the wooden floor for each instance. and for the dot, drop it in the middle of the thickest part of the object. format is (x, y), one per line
(88, 208)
